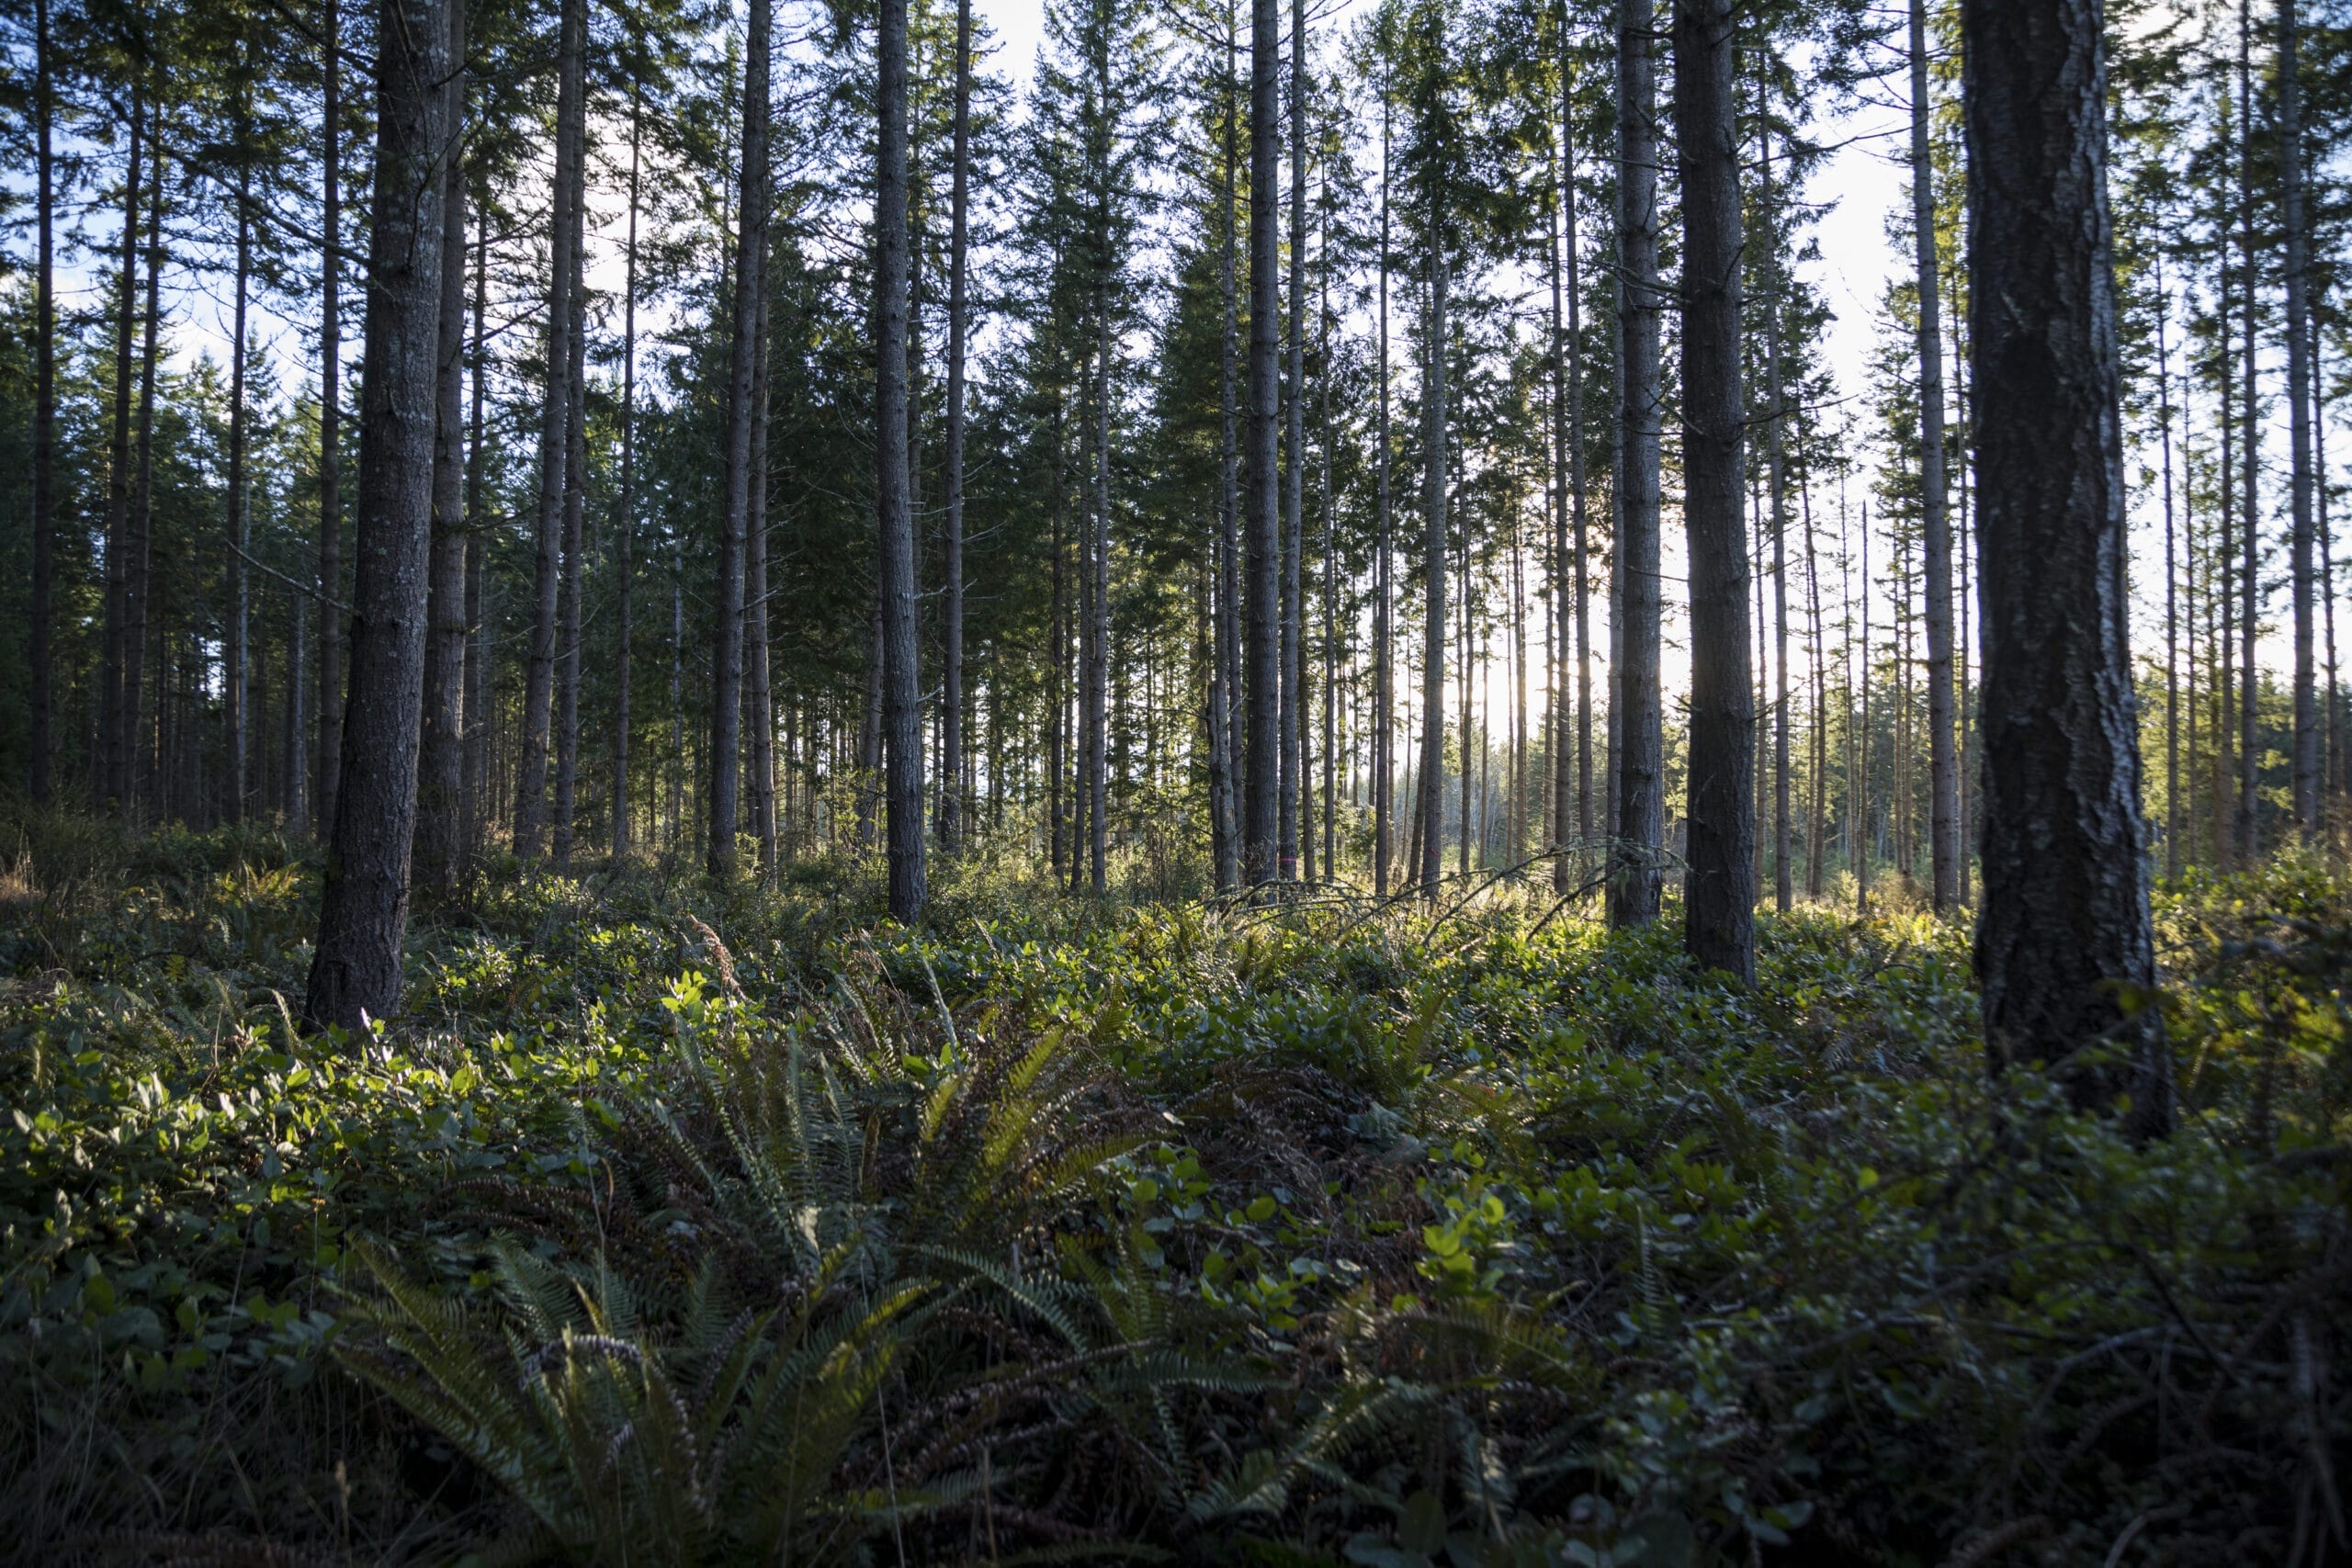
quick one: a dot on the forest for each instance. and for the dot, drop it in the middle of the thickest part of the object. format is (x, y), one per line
(1483, 783)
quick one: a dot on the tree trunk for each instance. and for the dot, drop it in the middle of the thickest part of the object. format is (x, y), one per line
(235, 678)
(750, 268)
(625, 504)
(114, 725)
(2065, 918)
(2249, 823)
(1943, 761)
(1719, 890)
(1636, 713)
(575, 507)
(2299, 421)
(363, 915)
(1098, 661)
(441, 769)
(1434, 498)
(332, 631)
(2172, 599)
(902, 691)
(759, 696)
(143, 496)
(555, 435)
(1294, 631)
(1783, 871)
(1262, 789)
(45, 410)
(1225, 707)
(1384, 761)
(476, 781)
(951, 750)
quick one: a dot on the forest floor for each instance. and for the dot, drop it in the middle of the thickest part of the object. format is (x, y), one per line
(670, 1225)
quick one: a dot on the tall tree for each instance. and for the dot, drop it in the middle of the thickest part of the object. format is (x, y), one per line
(1434, 432)
(555, 431)
(114, 727)
(750, 281)
(2306, 765)
(1292, 719)
(363, 915)
(332, 631)
(441, 767)
(2066, 922)
(45, 400)
(1636, 712)
(951, 750)
(1719, 890)
(1943, 761)
(1261, 795)
(625, 502)
(902, 692)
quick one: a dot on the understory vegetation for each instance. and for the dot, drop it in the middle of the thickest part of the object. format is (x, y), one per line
(672, 1226)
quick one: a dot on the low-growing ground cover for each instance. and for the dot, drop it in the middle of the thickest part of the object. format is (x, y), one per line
(668, 1226)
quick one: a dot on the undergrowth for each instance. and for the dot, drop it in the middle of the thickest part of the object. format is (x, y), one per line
(668, 1226)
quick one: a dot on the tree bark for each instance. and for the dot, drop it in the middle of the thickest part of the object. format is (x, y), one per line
(902, 693)
(476, 783)
(2306, 771)
(45, 411)
(1783, 871)
(363, 916)
(1434, 497)
(759, 695)
(441, 768)
(1635, 712)
(1384, 761)
(114, 725)
(750, 270)
(2249, 821)
(143, 496)
(1719, 890)
(555, 436)
(2065, 919)
(332, 631)
(1294, 630)
(625, 505)
(235, 679)
(1262, 788)
(951, 750)
(1935, 526)
(575, 505)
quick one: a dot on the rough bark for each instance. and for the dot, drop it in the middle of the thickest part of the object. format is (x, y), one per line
(441, 768)
(140, 549)
(555, 438)
(1636, 715)
(951, 749)
(624, 504)
(1384, 759)
(1292, 719)
(44, 409)
(1719, 889)
(1431, 810)
(476, 783)
(1224, 711)
(1935, 525)
(901, 696)
(114, 725)
(748, 277)
(759, 693)
(235, 677)
(575, 531)
(2298, 420)
(363, 915)
(2065, 942)
(1262, 786)
(332, 633)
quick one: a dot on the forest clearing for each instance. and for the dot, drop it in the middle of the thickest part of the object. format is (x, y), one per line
(1401, 782)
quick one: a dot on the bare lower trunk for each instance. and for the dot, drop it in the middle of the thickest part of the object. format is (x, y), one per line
(114, 724)
(727, 630)
(1262, 789)
(363, 916)
(625, 504)
(759, 696)
(137, 570)
(441, 769)
(2306, 772)
(2066, 920)
(332, 631)
(951, 714)
(1636, 712)
(576, 528)
(1434, 497)
(235, 678)
(902, 690)
(44, 411)
(1719, 890)
(1943, 761)
(555, 438)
